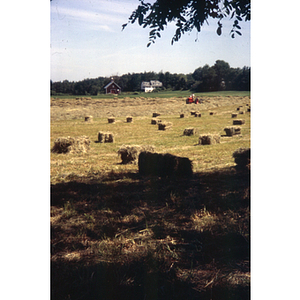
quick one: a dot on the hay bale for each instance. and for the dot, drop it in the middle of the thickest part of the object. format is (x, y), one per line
(233, 115)
(69, 144)
(193, 112)
(190, 131)
(105, 137)
(111, 120)
(197, 114)
(212, 113)
(164, 165)
(155, 121)
(249, 109)
(165, 125)
(129, 119)
(209, 139)
(88, 119)
(242, 158)
(181, 115)
(155, 114)
(233, 130)
(238, 122)
(241, 112)
(130, 153)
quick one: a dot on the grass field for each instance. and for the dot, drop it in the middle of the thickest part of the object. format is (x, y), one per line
(162, 94)
(117, 235)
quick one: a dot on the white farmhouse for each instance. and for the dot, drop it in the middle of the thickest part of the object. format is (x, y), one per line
(149, 86)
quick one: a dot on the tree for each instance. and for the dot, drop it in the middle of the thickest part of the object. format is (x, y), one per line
(188, 14)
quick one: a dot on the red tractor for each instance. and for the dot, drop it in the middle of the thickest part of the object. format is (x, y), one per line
(193, 99)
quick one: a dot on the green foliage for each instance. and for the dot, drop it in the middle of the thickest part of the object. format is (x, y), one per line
(187, 15)
(203, 79)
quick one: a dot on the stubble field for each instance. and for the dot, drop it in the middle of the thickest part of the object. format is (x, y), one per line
(118, 235)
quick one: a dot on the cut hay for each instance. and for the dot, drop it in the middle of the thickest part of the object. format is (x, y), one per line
(164, 165)
(130, 153)
(233, 130)
(155, 114)
(111, 120)
(181, 115)
(69, 144)
(105, 137)
(129, 119)
(165, 125)
(242, 158)
(190, 131)
(209, 139)
(155, 121)
(238, 122)
(88, 119)
(234, 115)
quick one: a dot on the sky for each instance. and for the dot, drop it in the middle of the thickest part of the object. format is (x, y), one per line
(87, 41)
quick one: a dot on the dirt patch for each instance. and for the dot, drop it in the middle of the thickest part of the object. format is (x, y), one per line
(64, 109)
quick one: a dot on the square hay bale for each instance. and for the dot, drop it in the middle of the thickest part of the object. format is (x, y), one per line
(238, 122)
(193, 112)
(155, 114)
(164, 165)
(111, 120)
(88, 119)
(129, 119)
(155, 121)
(130, 153)
(233, 130)
(181, 115)
(165, 125)
(197, 114)
(242, 158)
(212, 113)
(105, 137)
(234, 115)
(69, 144)
(209, 139)
(190, 131)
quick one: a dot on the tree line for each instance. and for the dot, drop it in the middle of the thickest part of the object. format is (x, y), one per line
(218, 77)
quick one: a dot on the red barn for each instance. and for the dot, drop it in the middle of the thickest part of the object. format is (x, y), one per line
(112, 88)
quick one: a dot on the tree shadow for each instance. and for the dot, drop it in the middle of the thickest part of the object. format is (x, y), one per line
(119, 206)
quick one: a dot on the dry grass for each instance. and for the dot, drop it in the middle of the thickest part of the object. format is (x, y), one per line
(209, 139)
(105, 137)
(130, 153)
(118, 235)
(71, 145)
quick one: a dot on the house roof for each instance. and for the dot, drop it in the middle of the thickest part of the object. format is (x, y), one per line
(111, 84)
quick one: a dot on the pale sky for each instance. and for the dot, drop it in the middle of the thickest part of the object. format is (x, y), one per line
(87, 42)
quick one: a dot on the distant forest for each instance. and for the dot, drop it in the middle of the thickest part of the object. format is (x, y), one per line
(218, 77)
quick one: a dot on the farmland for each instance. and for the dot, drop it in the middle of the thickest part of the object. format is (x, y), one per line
(118, 235)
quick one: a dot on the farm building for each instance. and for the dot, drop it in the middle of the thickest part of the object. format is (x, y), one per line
(112, 88)
(149, 86)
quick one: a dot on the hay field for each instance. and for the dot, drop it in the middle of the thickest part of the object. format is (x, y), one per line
(68, 121)
(118, 235)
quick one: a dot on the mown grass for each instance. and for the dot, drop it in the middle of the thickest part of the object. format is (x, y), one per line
(117, 235)
(161, 94)
(141, 131)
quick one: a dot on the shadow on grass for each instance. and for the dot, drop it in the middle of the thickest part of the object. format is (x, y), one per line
(189, 239)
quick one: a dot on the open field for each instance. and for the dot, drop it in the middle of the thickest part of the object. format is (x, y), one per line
(118, 235)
